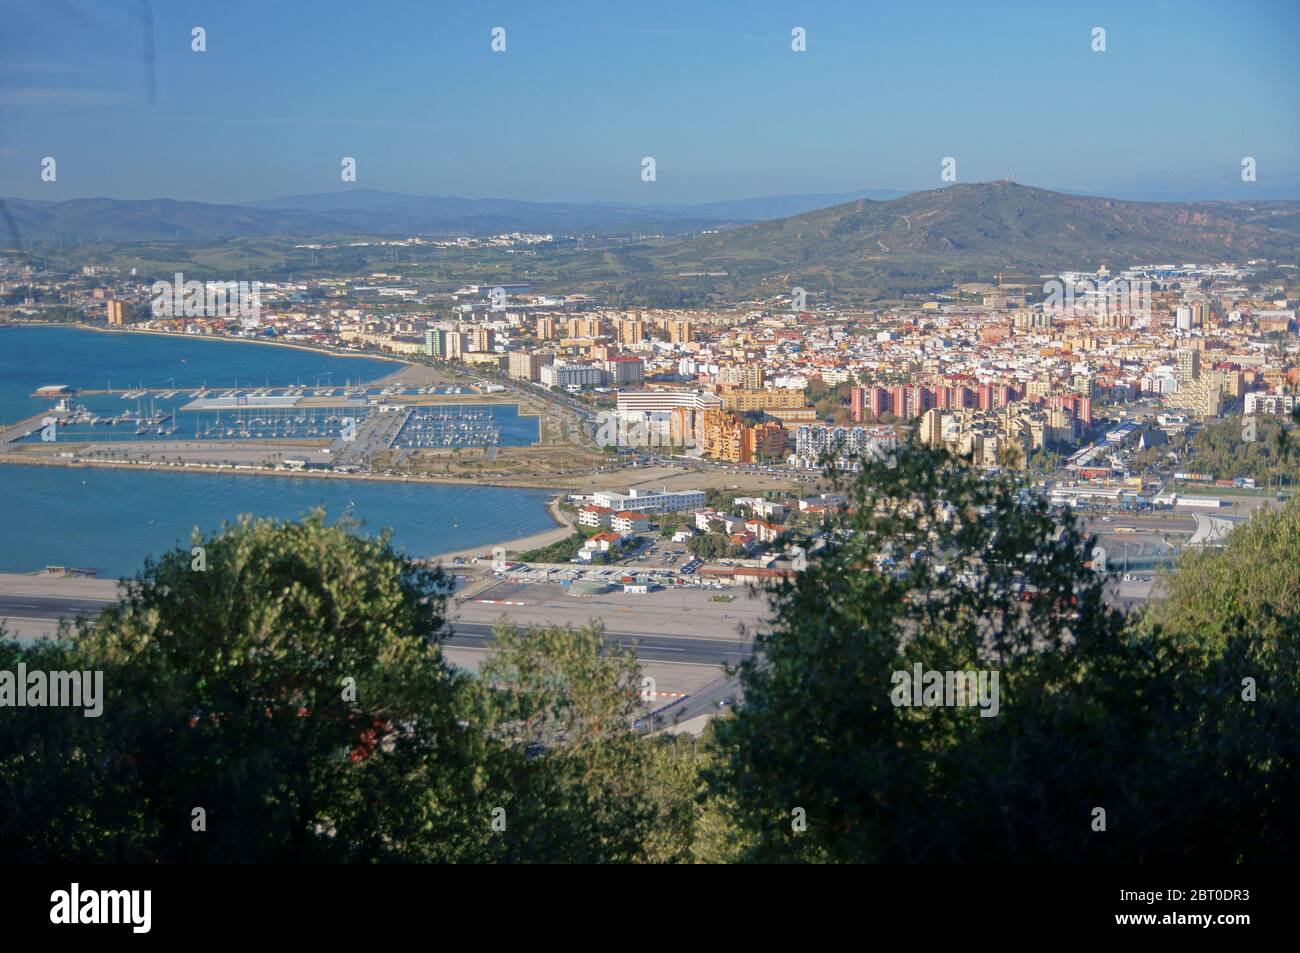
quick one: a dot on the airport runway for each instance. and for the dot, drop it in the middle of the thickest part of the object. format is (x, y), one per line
(28, 606)
(649, 647)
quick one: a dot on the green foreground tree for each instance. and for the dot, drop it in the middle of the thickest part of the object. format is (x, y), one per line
(279, 694)
(1114, 740)
(285, 697)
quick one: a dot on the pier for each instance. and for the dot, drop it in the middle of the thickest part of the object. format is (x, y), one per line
(25, 428)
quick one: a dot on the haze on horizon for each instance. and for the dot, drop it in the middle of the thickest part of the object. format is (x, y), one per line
(1182, 92)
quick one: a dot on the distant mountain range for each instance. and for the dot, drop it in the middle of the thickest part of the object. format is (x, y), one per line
(371, 212)
(877, 247)
(964, 231)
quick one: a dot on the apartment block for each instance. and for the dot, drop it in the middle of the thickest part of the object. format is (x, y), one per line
(527, 365)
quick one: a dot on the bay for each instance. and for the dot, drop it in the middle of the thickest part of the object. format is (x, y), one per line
(112, 519)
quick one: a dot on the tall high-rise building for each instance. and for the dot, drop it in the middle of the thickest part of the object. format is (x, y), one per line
(584, 327)
(527, 365)
(725, 436)
(722, 435)
(482, 338)
(118, 312)
(916, 401)
(898, 401)
(765, 441)
(631, 331)
(932, 427)
(625, 370)
(1203, 396)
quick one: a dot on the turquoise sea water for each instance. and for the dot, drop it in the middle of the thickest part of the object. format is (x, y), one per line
(112, 519)
(32, 357)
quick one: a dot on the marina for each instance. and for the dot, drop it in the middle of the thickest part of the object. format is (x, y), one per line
(248, 417)
(74, 418)
(449, 427)
(428, 421)
(355, 390)
(231, 412)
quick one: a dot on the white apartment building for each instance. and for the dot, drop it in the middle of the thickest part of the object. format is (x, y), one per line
(650, 501)
(1259, 402)
(628, 522)
(813, 443)
(572, 375)
(652, 413)
(594, 516)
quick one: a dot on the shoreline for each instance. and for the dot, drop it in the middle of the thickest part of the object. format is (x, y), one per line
(560, 530)
(313, 348)
(9, 459)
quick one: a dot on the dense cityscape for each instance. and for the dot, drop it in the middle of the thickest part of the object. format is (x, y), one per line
(677, 514)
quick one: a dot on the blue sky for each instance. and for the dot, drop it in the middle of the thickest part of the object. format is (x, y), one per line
(584, 90)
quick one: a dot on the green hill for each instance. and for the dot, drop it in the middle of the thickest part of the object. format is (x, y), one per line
(926, 240)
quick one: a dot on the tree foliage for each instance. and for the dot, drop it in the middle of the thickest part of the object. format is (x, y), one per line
(1220, 450)
(295, 689)
(1095, 712)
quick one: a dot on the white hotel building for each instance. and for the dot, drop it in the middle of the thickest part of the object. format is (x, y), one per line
(662, 401)
(650, 501)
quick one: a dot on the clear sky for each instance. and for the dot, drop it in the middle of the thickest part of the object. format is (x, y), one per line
(584, 90)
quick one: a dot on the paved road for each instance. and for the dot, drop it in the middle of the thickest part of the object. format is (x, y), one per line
(24, 606)
(375, 432)
(649, 648)
(16, 432)
(703, 702)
